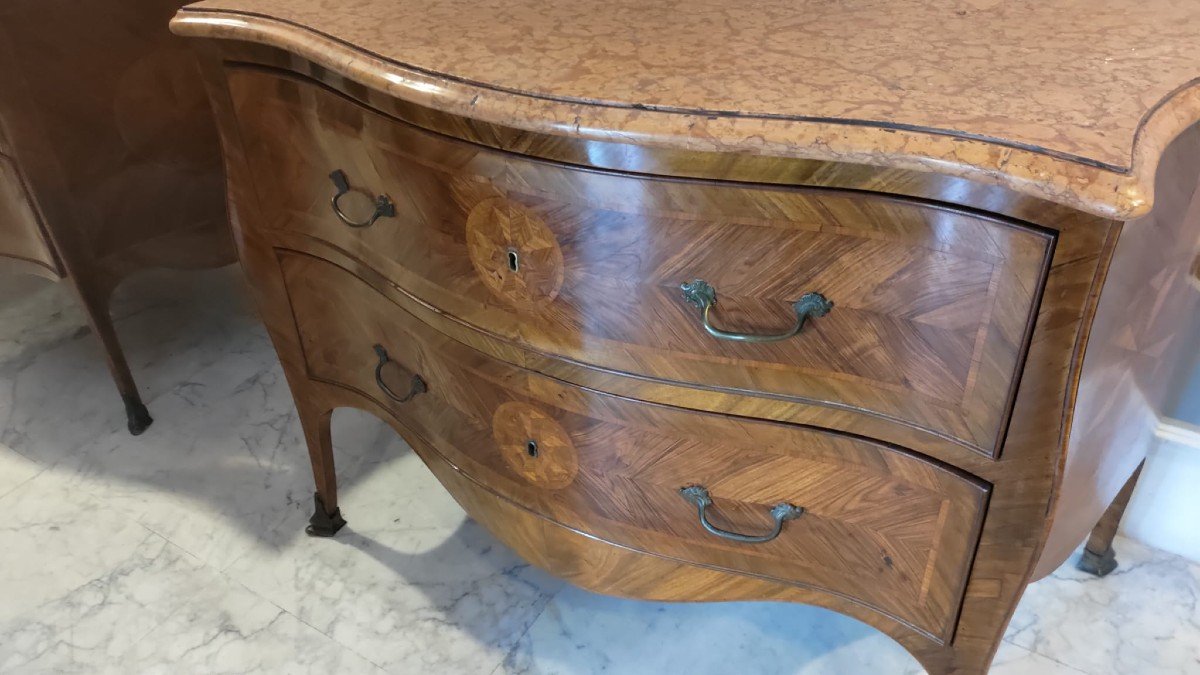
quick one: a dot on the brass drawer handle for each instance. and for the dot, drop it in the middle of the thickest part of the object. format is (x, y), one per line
(698, 495)
(417, 386)
(704, 296)
(384, 208)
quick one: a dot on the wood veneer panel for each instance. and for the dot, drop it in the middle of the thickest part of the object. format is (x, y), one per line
(932, 305)
(881, 525)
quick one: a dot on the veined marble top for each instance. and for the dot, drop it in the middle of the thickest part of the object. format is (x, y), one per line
(1069, 100)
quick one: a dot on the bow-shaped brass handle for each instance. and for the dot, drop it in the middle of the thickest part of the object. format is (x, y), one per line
(701, 294)
(698, 495)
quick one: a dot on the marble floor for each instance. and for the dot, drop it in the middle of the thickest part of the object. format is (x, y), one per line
(181, 551)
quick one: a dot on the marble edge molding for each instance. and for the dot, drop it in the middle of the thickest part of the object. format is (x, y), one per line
(1072, 181)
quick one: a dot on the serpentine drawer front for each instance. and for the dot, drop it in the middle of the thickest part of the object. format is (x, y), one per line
(864, 520)
(913, 312)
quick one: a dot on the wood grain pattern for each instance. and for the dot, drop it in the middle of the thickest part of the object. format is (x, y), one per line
(880, 525)
(603, 567)
(104, 114)
(932, 305)
(1026, 478)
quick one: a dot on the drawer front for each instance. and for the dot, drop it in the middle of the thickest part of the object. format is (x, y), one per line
(879, 525)
(932, 306)
(20, 234)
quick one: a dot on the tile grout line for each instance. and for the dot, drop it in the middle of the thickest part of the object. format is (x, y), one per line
(224, 575)
(528, 627)
(41, 470)
(178, 608)
(284, 610)
(108, 572)
(1064, 664)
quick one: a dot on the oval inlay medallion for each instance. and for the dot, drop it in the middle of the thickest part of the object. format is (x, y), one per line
(514, 253)
(534, 445)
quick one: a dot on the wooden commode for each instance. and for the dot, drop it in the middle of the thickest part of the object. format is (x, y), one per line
(699, 301)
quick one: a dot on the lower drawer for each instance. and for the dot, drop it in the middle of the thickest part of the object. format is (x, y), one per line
(866, 521)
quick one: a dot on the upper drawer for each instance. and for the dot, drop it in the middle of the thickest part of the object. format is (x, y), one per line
(932, 306)
(889, 529)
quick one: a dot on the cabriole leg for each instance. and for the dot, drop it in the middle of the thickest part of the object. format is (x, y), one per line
(327, 518)
(95, 305)
(1098, 556)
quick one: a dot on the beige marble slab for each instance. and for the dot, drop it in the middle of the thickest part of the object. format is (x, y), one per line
(1071, 100)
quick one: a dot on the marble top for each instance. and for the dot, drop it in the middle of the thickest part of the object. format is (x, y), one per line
(1071, 100)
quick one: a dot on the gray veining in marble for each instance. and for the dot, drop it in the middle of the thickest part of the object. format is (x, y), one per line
(182, 550)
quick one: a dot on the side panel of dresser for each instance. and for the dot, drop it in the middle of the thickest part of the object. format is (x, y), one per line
(1134, 350)
(21, 235)
(1024, 478)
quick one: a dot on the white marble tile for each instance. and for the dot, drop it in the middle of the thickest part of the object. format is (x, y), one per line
(1142, 618)
(224, 474)
(162, 611)
(35, 312)
(53, 538)
(222, 627)
(222, 469)
(92, 626)
(409, 583)
(228, 470)
(241, 633)
(54, 400)
(59, 396)
(583, 633)
(15, 469)
(1013, 660)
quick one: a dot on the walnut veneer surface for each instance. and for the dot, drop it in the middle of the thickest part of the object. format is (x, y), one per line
(485, 225)
(620, 246)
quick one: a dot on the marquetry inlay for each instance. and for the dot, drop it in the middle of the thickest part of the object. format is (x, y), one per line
(514, 253)
(535, 446)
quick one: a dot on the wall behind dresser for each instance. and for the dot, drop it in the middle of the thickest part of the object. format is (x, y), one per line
(1166, 504)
